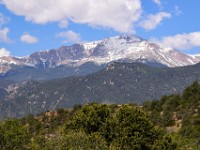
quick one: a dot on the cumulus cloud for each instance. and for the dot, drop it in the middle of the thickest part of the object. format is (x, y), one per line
(27, 38)
(180, 41)
(70, 37)
(119, 15)
(4, 52)
(4, 35)
(152, 21)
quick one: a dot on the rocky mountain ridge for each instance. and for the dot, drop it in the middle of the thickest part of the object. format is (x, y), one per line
(127, 48)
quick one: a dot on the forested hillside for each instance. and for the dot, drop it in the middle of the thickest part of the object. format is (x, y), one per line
(119, 83)
(167, 124)
(179, 114)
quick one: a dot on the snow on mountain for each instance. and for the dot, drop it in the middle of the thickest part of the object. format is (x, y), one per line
(124, 47)
(132, 48)
(195, 56)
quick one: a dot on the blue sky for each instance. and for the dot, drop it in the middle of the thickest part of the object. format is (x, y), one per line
(34, 25)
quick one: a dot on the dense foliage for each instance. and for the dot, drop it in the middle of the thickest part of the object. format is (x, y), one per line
(179, 114)
(93, 126)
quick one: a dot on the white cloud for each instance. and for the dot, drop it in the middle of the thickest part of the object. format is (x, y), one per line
(119, 15)
(180, 41)
(157, 2)
(153, 21)
(70, 36)
(4, 52)
(3, 19)
(4, 35)
(27, 38)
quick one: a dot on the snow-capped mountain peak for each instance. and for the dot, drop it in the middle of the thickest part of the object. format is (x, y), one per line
(91, 45)
(119, 48)
(133, 48)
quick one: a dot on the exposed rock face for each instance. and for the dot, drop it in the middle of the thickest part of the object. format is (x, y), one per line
(124, 48)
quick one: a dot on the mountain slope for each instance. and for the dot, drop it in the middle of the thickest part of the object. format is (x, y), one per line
(118, 83)
(136, 49)
(124, 48)
(27, 73)
(3, 88)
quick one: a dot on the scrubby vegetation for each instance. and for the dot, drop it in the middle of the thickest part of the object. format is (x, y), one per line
(179, 115)
(167, 124)
(93, 126)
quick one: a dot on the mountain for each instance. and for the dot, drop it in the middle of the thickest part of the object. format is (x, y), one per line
(27, 73)
(135, 49)
(195, 56)
(4, 84)
(124, 48)
(118, 83)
